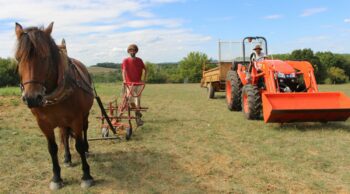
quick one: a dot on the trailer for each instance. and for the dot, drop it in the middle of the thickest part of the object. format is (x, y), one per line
(214, 79)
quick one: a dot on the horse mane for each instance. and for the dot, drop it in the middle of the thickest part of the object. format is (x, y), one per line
(35, 42)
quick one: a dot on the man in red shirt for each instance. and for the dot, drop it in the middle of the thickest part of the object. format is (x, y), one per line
(132, 70)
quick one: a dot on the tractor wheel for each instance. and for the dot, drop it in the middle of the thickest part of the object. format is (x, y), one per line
(211, 91)
(233, 91)
(251, 102)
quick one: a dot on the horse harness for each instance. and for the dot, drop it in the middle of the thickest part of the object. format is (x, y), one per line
(73, 78)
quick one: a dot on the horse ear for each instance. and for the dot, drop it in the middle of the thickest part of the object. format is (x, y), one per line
(19, 30)
(48, 30)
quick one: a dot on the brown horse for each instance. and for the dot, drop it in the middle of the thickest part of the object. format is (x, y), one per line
(58, 91)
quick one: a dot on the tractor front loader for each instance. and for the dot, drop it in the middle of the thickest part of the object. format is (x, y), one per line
(281, 91)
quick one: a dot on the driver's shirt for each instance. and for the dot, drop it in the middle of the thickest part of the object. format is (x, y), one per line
(260, 57)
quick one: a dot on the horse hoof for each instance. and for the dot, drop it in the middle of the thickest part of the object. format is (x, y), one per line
(55, 186)
(67, 164)
(87, 183)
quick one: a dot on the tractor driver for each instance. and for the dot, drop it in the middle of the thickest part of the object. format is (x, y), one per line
(259, 55)
(256, 56)
(134, 70)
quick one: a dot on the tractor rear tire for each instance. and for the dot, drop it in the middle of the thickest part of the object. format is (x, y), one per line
(251, 102)
(211, 91)
(233, 91)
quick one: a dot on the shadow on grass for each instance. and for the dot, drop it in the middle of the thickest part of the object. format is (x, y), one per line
(312, 126)
(144, 170)
(220, 96)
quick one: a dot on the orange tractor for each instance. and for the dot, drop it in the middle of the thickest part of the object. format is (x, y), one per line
(281, 91)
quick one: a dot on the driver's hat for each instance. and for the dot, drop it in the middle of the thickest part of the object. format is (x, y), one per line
(257, 47)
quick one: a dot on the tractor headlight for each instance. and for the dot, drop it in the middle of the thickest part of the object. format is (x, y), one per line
(281, 75)
(292, 75)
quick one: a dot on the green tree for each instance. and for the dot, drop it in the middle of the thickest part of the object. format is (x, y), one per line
(281, 56)
(8, 72)
(191, 66)
(154, 74)
(336, 75)
(328, 60)
(344, 63)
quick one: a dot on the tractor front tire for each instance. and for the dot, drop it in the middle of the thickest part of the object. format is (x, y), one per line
(211, 91)
(233, 91)
(251, 102)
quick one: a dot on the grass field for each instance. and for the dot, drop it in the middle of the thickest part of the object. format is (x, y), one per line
(189, 144)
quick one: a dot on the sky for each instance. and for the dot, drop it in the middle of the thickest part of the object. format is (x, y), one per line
(167, 30)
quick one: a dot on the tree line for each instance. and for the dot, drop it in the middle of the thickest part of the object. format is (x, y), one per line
(189, 70)
(330, 68)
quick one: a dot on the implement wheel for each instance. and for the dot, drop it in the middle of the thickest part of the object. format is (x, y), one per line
(211, 91)
(233, 91)
(251, 102)
(128, 133)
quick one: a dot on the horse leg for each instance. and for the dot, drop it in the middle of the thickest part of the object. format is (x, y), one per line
(85, 128)
(87, 179)
(56, 181)
(65, 133)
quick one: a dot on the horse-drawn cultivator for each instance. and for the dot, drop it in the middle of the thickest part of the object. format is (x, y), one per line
(119, 118)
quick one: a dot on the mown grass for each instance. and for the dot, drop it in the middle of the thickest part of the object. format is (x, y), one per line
(189, 144)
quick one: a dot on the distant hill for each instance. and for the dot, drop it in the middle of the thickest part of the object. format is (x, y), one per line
(98, 70)
(118, 65)
(104, 74)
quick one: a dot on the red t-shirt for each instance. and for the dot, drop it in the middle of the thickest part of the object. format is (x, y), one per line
(133, 69)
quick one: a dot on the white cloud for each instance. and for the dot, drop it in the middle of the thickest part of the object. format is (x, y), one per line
(273, 17)
(155, 45)
(98, 31)
(313, 11)
(347, 20)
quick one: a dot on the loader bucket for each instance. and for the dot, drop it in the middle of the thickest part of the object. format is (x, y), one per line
(304, 107)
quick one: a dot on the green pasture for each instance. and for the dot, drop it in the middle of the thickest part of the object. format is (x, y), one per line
(189, 144)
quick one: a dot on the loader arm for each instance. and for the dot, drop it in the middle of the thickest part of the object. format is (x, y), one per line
(308, 73)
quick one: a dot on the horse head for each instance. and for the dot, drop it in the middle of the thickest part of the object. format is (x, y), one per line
(38, 58)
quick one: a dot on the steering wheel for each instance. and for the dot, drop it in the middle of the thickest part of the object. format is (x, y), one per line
(252, 58)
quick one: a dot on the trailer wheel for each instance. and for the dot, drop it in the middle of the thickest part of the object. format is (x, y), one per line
(233, 91)
(211, 91)
(128, 133)
(251, 102)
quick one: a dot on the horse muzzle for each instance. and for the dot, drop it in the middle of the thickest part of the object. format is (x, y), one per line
(33, 101)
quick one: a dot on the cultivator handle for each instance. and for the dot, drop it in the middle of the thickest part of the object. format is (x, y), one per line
(130, 86)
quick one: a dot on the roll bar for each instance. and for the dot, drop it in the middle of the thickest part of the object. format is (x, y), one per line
(252, 38)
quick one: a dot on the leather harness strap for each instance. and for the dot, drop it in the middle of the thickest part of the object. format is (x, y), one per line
(70, 77)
